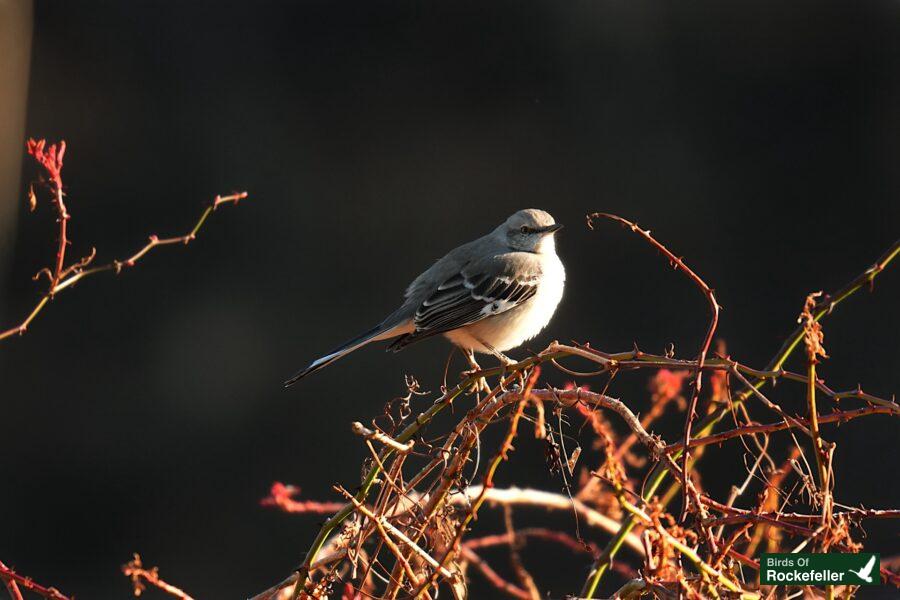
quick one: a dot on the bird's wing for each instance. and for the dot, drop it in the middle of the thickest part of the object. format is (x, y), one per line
(480, 289)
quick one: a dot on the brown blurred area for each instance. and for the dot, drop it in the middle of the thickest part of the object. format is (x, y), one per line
(15, 52)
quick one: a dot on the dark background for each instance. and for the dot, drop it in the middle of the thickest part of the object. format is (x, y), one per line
(145, 412)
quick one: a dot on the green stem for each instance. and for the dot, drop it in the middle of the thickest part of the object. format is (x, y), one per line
(659, 473)
(367, 484)
(866, 278)
(407, 434)
(656, 479)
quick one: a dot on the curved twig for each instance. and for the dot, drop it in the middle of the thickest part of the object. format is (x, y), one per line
(714, 307)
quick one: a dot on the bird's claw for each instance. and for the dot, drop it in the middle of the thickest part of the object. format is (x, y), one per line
(480, 384)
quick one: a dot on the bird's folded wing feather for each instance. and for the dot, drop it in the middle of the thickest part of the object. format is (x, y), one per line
(479, 290)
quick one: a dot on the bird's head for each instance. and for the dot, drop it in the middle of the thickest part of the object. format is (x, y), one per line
(530, 230)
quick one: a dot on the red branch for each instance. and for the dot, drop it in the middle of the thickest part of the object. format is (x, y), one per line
(139, 575)
(282, 496)
(550, 535)
(51, 158)
(492, 576)
(13, 581)
(62, 276)
(11, 586)
(679, 264)
(835, 417)
(890, 577)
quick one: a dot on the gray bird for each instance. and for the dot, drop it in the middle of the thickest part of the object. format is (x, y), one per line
(486, 296)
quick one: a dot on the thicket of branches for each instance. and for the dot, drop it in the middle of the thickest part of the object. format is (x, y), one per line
(639, 507)
(637, 502)
(409, 530)
(61, 276)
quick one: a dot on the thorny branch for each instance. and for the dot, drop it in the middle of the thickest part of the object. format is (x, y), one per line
(404, 533)
(15, 583)
(412, 515)
(61, 276)
(838, 416)
(284, 497)
(142, 577)
(656, 478)
(714, 307)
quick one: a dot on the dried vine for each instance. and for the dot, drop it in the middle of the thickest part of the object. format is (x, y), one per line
(62, 276)
(407, 530)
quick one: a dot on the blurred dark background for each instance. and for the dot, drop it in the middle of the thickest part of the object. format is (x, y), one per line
(145, 412)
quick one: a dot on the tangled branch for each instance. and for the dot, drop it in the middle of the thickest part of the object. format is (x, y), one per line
(61, 276)
(141, 578)
(714, 307)
(406, 531)
(15, 583)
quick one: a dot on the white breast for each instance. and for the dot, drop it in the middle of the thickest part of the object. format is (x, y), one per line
(513, 327)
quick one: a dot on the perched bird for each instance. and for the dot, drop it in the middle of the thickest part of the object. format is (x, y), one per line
(486, 296)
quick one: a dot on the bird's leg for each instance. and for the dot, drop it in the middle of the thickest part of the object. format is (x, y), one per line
(470, 358)
(505, 361)
(481, 384)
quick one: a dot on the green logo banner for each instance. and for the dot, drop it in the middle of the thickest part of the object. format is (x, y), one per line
(820, 569)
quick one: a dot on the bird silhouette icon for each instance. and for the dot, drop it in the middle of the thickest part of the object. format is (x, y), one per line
(866, 572)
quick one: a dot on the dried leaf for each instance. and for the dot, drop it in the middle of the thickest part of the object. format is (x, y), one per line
(573, 460)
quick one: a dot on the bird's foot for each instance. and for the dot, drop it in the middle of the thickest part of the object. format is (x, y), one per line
(480, 383)
(505, 361)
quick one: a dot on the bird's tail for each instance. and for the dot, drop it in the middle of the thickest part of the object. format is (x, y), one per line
(382, 331)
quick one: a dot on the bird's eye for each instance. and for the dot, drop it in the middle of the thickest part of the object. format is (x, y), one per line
(524, 229)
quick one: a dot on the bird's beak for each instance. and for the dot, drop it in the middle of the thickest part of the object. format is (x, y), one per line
(551, 228)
